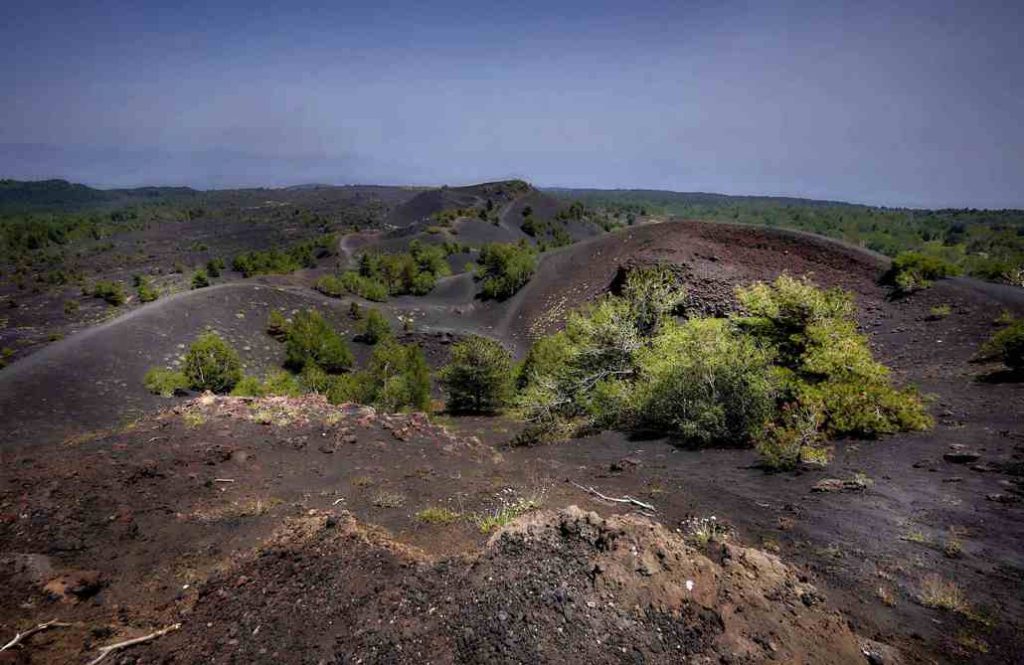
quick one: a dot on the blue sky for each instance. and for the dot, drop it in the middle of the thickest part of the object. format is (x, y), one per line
(918, 105)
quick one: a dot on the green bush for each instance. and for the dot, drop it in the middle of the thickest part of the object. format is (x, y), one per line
(375, 327)
(211, 364)
(200, 279)
(111, 292)
(479, 378)
(214, 267)
(826, 363)
(397, 377)
(789, 373)
(165, 382)
(504, 268)
(912, 271)
(277, 325)
(278, 261)
(145, 289)
(354, 283)
(279, 383)
(1007, 346)
(310, 339)
(414, 272)
(703, 383)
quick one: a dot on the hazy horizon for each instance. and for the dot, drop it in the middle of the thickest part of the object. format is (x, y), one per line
(916, 106)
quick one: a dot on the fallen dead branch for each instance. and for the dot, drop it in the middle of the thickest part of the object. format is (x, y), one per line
(223, 480)
(625, 499)
(20, 637)
(110, 648)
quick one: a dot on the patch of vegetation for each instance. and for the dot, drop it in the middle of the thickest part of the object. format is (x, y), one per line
(277, 383)
(913, 271)
(942, 594)
(508, 510)
(200, 279)
(283, 261)
(277, 325)
(165, 382)
(479, 378)
(111, 292)
(382, 274)
(211, 364)
(352, 282)
(311, 340)
(789, 373)
(939, 312)
(145, 290)
(214, 267)
(388, 500)
(374, 327)
(504, 268)
(437, 515)
(1007, 346)
(396, 378)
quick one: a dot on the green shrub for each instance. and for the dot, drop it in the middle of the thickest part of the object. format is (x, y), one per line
(479, 377)
(703, 383)
(200, 279)
(111, 292)
(214, 267)
(277, 325)
(504, 268)
(794, 437)
(165, 382)
(310, 339)
(414, 272)
(279, 382)
(827, 364)
(789, 373)
(374, 327)
(397, 377)
(277, 261)
(652, 292)
(939, 312)
(354, 283)
(70, 306)
(912, 271)
(1007, 346)
(211, 364)
(145, 290)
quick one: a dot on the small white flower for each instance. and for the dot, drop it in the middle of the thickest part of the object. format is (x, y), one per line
(689, 585)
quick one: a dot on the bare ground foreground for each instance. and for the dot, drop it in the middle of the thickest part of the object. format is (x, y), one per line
(282, 530)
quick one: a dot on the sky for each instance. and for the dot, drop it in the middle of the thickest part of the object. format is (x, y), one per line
(920, 104)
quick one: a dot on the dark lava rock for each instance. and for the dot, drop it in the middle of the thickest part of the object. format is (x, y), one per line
(961, 454)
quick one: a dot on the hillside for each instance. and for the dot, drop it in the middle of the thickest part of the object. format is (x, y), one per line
(287, 528)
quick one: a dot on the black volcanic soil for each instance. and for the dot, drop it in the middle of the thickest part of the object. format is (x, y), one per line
(142, 503)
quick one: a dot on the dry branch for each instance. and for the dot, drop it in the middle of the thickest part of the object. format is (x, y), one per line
(624, 499)
(52, 623)
(110, 648)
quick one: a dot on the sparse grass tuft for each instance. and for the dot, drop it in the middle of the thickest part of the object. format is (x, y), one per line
(942, 594)
(438, 515)
(193, 419)
(388, 500)
(700, 531)
(509, 509)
